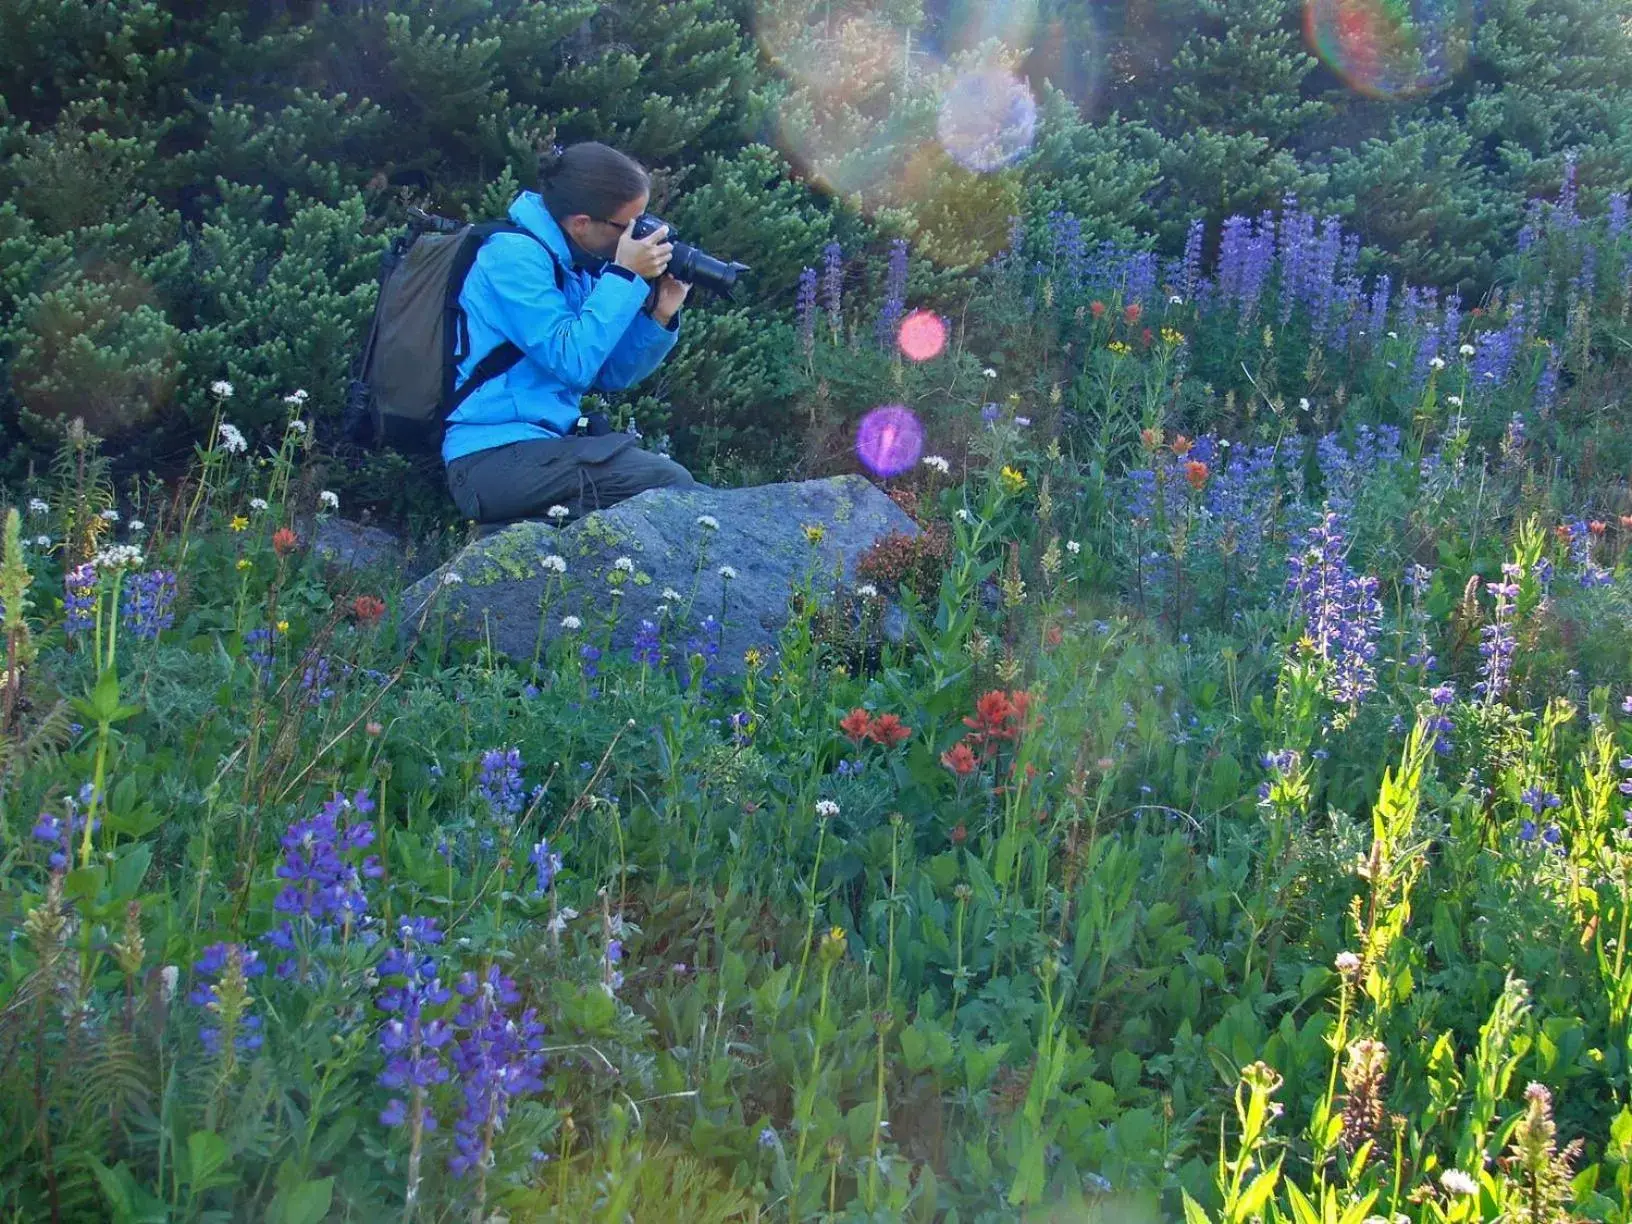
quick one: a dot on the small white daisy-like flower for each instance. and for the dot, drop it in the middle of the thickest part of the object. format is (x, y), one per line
(1346, 962)
(1175, 300)
(867, 591)
(1455, 401)
(136, 525)
(232, 439)
(298, 425)
(1072, 547)
(964, 516)
(36, 506)
(1436, 363)
(826, 809)
(1303, 405)
(671, 595)
(557, 512)
(257, 504)
(727, 572)
(119, 556)
(329, 499)
(1455, 1181)
(937, 463)
(451, 579)
(221, 389)
(295, 397)
(988, 372)
(571, 624)
(554, 563)
(708, 521)
(1466, 350)
(109, 516)
(624, 564)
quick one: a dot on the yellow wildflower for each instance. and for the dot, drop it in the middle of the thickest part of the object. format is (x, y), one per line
(1120, 347)
(283, 626)
(1012, 480)
(244, 563)
(752, 657)
(814, 532)
(1172, 335)
(239, 522)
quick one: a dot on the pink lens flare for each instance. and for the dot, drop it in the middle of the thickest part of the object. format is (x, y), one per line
(889, 440)
(922, 335)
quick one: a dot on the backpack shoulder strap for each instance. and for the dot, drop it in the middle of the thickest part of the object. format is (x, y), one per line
(503, 357)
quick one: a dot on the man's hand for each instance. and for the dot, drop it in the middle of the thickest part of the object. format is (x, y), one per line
(670, 294)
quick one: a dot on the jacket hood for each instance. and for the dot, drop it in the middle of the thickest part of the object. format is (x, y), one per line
(528, 211)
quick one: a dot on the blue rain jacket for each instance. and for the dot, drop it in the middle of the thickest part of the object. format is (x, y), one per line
(590, 335)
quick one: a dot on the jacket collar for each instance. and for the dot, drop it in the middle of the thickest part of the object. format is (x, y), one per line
(528, 211)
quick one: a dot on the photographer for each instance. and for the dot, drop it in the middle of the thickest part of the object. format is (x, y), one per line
(517, 445)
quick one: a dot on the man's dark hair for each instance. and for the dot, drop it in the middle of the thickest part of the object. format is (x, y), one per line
(590, 178)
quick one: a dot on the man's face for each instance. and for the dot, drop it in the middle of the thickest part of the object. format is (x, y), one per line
(599, 235)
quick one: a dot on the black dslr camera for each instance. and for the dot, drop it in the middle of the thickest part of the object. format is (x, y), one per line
(691, 265)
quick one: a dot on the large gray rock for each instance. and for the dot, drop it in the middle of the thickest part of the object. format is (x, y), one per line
(499, 586)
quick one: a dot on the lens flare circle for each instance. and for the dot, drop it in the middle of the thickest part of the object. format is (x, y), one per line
(1390, 48)
(922, 335)
(889, 440)
(987, 119)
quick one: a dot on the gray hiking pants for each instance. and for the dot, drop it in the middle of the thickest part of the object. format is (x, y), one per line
(524, 479)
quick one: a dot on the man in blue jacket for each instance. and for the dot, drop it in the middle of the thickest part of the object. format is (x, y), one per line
(511, 449)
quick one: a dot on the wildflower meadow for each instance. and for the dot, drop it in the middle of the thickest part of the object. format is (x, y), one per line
(1218, 809)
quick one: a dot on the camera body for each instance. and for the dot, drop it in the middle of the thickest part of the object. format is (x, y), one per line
(690, 265)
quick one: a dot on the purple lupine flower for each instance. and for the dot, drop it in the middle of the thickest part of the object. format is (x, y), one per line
(1588, 572)
(61, 831)
(741, 727)
(323, 874)
(259, 643)
(1496, 351)
(1340, 609)
(1192, 257)
(1497, 642)
(80, 599)
(806, 308)
(648, 647)
(1377, 317)
(314, 679)
(591, 656)
(895, 294)
(1547, 385)
(1617, 214)
(500, 781)
(706, 643)
(547, 863)
(412, 1043)
(1069, 249)
(220, 961)
(1539, 800)
(833, 284)
(148, 600)
(498, 1057)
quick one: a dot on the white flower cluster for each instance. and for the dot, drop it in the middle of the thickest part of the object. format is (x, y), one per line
(328, 499)
(221, 389)
(1072, 547)
(624, 564)
(298, 425)
(136, 525)
(988, 372)
(117, 556)
(867, 591)
(964, 516)
(554, 564)
(557, 512)
(1455, 1181)
(708, 521)
(257, 504)
(670, 594)
(232, 438)
(36, 506)
(295, 398)
(1466, 350)
(109, 516)
(727, 572)
(937, 463)
(1436, 363)
(451, 579)
(826, 809)
(571, 624)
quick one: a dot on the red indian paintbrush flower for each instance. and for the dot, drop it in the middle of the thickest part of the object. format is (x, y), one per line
(856, 724)
(888, 730)
(1131, 313)
(1196, 472)
(368, 609)
(960, 759)
(284, 541)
